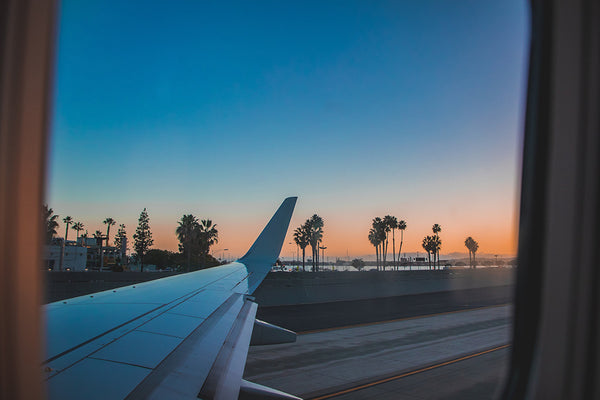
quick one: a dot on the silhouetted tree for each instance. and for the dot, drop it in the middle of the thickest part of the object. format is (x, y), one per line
(142, 237)
(100, 242)
(379, 230)
(302, 239)
(50, 223)
(314, 226)
(436, 230)
(108, 222)
(374, 240)
(436, 245)
(401, 227)
(358, 263)
(430, 244)
(77, 227)
(389, 223)
(187, 233)
(120, 240)
(207, 236)
(68, 221)
(474, 249)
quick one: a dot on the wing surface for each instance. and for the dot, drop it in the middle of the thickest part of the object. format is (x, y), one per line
(179, 337)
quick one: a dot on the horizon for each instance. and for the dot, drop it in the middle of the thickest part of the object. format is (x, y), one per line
(360, 109)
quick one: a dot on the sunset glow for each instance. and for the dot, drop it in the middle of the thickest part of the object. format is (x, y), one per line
(361, 109)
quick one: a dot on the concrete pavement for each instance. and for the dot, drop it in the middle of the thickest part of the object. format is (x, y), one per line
(325, 362)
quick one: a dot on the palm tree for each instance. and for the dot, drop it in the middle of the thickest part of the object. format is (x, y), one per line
(389, 224)
(469, 245)
(374, 239)
(120, 241)
(379, 231)
(109, 222)
(302, 239)
(100, 239)
(401, 227)
(77, 227)
(50, 223)
(208, 235)
(436, 245)
(474, 250)
(314, 226)
(436, 230)
(67, 220)
(428, 248)
(186, 233)
(393, 223)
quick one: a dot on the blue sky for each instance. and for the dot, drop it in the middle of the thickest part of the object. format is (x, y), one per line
(361, 108)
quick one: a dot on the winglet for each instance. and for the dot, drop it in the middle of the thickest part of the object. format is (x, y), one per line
(265, 250)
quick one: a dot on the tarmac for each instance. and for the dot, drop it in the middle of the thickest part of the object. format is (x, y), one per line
(333, 363)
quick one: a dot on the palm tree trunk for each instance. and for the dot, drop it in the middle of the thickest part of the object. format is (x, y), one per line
(384, 253)
(377, 256)
(429, 259)
(401, 241)
(303, 254)
(394, 248)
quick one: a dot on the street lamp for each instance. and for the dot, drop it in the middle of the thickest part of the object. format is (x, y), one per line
(223, 253)
(323, 256)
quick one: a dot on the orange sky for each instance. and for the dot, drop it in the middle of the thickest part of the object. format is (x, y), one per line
(494, 230)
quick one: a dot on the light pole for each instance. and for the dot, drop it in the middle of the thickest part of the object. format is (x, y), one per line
(323, 256)
(223, 254)
(216, 252)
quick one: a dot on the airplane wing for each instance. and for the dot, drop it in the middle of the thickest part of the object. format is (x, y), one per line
(181, 337)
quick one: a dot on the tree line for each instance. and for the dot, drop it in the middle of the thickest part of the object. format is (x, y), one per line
(310, 233)
(379, 235)
(195, 239)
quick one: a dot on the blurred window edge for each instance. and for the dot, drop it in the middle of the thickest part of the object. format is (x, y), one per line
(27, 41)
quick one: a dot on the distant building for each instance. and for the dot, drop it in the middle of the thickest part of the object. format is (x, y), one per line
(75, 257)
(85, 254)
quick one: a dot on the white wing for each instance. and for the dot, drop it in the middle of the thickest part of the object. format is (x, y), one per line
(180, 337)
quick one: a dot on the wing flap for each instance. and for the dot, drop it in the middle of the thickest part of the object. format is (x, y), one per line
(225, 376)
(254, 391)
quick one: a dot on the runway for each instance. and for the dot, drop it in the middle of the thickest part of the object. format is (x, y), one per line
(330, 363)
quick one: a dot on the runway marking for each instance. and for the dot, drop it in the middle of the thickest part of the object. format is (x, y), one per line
(399, 319)
(417, 371)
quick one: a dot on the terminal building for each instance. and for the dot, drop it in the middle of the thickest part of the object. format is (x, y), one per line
(85, 254)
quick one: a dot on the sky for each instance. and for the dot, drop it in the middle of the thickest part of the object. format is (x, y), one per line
(359, 108)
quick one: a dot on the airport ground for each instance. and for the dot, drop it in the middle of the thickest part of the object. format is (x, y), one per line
(460, 354)
(387, 335)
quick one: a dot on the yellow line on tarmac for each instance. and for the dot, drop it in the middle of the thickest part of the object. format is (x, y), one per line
(400, 319)
(379, 382)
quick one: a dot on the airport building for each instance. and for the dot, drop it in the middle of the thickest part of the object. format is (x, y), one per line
(83, 255)
(74, 259)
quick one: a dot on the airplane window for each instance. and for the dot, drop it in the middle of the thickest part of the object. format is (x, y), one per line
(179, 128)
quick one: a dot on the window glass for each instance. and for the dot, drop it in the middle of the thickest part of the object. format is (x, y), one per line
(397, 125)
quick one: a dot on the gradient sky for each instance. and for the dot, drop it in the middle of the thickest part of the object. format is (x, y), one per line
(360, 108)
